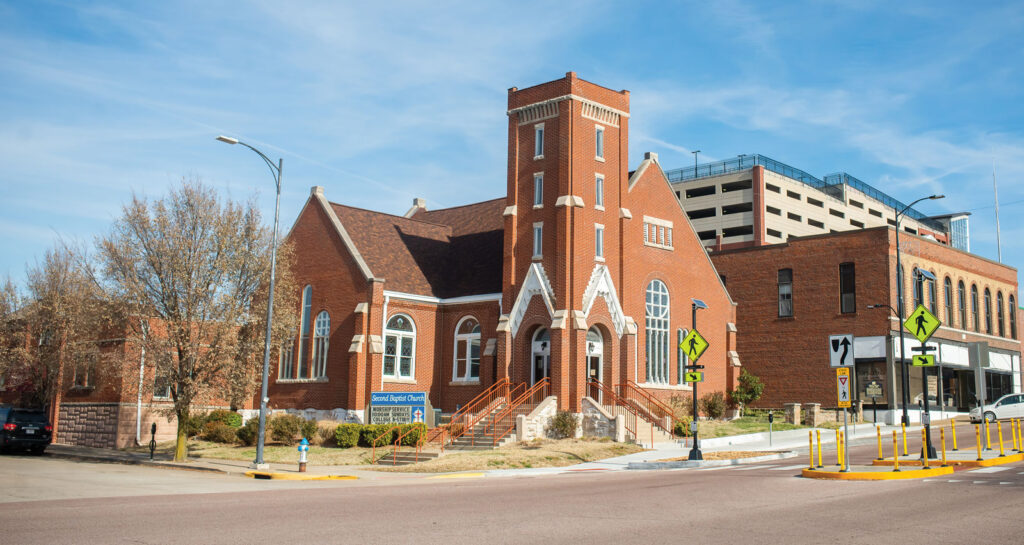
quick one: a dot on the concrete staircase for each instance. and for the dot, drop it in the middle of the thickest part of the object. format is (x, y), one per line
(476, 439)
(406, 458)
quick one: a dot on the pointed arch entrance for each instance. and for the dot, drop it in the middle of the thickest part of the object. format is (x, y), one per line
(540, 355)
(595, 361)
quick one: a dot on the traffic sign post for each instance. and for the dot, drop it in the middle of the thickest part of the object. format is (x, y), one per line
(874, 391)
(922, 324)
(840, 350)
(694, 346)
(843, 395)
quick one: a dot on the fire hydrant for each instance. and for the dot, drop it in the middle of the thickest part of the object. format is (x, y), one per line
(303, 447)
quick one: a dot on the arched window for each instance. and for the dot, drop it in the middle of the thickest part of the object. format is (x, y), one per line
(901, 290)
(305, 326)
(962, 300)
(974, 307)
(988, 311)
(1013, 317)
(400, 347)
(657, 314)
(999, 314)
(467, 350)
(918, 280)
(932, 304)
(948, 285)
(286, 367)
(321, 342)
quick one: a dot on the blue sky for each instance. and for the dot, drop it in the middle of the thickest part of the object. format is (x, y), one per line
(382, 102)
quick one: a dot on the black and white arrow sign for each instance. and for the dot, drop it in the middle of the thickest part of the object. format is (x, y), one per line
(840, 350)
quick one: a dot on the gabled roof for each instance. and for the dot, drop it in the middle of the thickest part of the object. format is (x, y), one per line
(443, 253)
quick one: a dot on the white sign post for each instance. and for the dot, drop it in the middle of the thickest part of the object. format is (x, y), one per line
(840, 350)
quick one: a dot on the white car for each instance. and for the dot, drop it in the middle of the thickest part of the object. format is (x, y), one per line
(1008, 406)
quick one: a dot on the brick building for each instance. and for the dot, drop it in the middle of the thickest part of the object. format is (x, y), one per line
(583, 269)
(792, 296)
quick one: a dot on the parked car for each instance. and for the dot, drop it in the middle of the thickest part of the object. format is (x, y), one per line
(1008, 406)
(25, 429)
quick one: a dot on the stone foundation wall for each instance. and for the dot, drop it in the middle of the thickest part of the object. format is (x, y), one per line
(596, 421)
(534, 424)
(88, 424)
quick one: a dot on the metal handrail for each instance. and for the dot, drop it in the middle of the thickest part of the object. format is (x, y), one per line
(483, 399)
(398, 444)
(650, 404)
(489, 410)
(631, 416)
(513, 408)
(373, 451)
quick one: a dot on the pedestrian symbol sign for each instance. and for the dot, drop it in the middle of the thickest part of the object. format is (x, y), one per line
(693, 376)
(923, 360)
(843, 387)
(922, 323)
(693, 345)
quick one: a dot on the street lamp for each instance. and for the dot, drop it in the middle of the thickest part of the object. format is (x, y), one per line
(905, 372)
(926, 419)
(695, 453)
(695, 152)
(275, 171)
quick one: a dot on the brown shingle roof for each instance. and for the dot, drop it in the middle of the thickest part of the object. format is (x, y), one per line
(444, 253)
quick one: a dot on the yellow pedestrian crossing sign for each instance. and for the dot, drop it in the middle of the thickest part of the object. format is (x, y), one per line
(693, 345)
(923, 360)
(693, 376)
(922, 323)
(843, 387)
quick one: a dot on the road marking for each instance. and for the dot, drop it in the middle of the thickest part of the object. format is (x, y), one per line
(1005, 482)
(788, 468)
(989, 470)
(979, 482)
(955, 481)
(748, 468)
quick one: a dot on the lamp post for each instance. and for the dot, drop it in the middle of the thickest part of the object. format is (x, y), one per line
(926, 419)
(905, 372)
(695, 152)
(275, 171)
(695, 453)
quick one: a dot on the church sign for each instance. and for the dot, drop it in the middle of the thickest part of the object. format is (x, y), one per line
(398, 407)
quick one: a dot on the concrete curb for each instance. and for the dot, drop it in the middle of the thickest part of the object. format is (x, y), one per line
(788, 436)
(997, 461)
(709, 463)
(298, 477)
(876, 475)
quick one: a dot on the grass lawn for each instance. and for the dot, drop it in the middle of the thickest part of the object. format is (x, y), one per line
(746, 424)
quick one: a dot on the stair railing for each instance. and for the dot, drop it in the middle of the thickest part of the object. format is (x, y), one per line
(646, 403)
(398, 444)
(628, 411)
(514, 392)
(481, 404)
(373, 451)
(504, 421)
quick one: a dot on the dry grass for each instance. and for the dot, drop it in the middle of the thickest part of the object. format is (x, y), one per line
(536, 453)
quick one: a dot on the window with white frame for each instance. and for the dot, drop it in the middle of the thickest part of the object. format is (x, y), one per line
(785, 292)
(286, 367)
(657, 233)
(467, 350)
(321, 342)
(538, 190)
(538, 141)
(599, 240)
(657, 319)
(162, 381)
(399, 347)
(304, 329)
(599, 142)
(538, 239)
(599, 191)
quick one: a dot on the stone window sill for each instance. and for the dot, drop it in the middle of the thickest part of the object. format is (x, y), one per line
(392, 380)
(679, 387)
(301, 380)
(464, 383)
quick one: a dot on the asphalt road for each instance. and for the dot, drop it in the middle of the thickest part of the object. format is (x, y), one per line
(762, 503)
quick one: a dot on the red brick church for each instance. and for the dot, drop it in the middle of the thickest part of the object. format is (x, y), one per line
(584, 269)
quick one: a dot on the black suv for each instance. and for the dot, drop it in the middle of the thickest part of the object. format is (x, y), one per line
(25, 429)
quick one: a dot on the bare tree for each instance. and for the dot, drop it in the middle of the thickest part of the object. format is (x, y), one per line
(193, 268)
(12, 331)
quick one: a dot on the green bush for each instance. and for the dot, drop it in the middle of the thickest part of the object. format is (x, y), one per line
(286, 428)
(248, 433)
(219, 432)
(228, 418)
(308, 429)
(194, 424)
(712, 405)
(748, 391)
(563, 425)
(347, 435)
(682, 427)
(415, 431)
(371, 432)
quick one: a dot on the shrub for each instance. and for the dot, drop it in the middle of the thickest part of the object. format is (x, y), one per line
(194, 424)
(248, 433)
(289, 428)
(563, 425)
(371, 432)
(712, 405)
(228, 418)
(416, 430)
(308, 428)
(681, 405)
(682, 427)
(748, 391)
(325, 434)
(219, 432)
(347, 435)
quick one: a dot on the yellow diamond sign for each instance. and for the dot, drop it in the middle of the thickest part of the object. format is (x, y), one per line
(693, 376)
(693, 345)
(922, 323)
(923, 360)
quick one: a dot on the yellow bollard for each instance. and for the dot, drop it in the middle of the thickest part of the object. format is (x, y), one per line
(839, 450)
(942, 437)
(999, 426)
(1020, 438)
(988, 434)
(904, 439)
(924, 451)
(895, 452)
(879, 431)
(810, 440)
(820, 464)
(977, 437)
(1013, 433)
(842, 452)
(952, 428)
